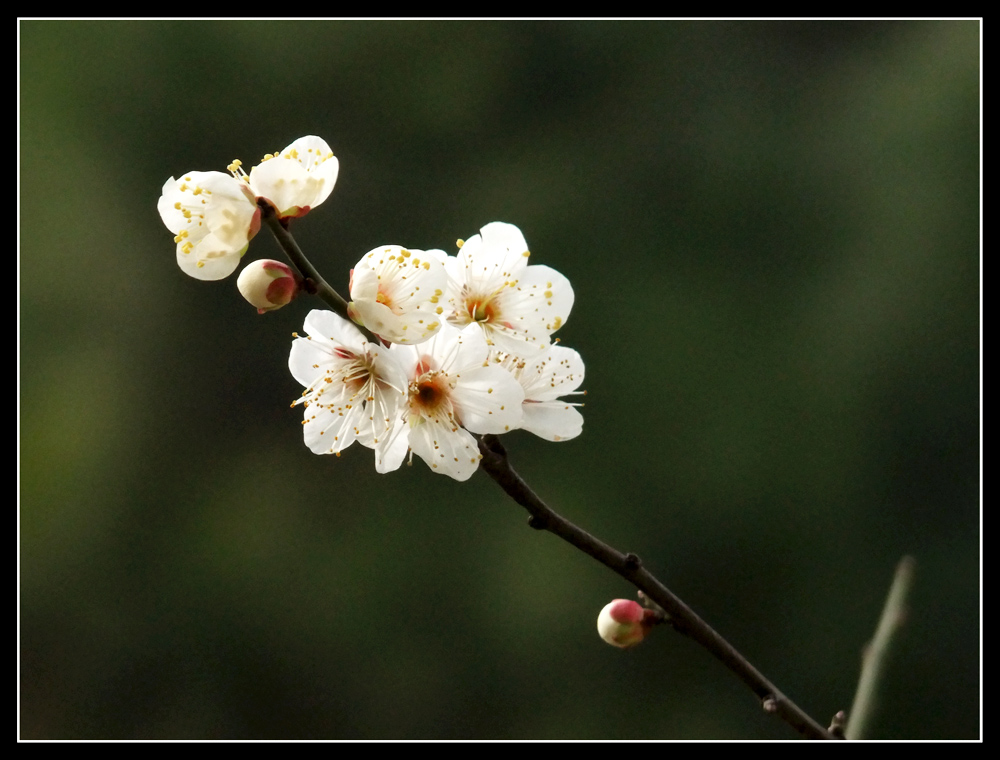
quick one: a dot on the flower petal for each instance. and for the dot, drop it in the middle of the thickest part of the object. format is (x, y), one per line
(554, 373)
(552, 420)
(299, 178)
(488, 400)
(450, 452)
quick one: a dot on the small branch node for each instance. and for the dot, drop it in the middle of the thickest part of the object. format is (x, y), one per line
(654, 607)
(632, 561)
(770, 704)
(538, 522)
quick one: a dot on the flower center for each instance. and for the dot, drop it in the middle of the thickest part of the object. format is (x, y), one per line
(430, 395)
(480, 309)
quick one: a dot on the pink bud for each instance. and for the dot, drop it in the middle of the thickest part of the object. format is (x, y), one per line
(268, 284)
(622, 623)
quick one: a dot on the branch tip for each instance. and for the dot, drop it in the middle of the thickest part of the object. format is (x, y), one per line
(837, 724)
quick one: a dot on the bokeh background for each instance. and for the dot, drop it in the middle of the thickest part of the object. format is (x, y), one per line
(772, 230)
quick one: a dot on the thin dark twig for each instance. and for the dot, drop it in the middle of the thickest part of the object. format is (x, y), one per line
(497, 465)
(315, 283)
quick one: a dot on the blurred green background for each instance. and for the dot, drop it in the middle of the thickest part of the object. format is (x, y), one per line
(772, 230)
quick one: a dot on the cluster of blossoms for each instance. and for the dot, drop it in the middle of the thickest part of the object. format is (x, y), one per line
(214, 215)
(463, 343)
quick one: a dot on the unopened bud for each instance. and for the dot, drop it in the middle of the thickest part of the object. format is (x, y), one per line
(623, 623)
(268, 284)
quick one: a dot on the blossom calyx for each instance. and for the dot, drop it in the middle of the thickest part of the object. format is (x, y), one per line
(624, 623)
(268, 284)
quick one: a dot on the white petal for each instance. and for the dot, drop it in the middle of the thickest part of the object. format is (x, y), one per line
(460, 349)
(488, 400)
(333, 327)
(389, 368)
(507, 237)
(450, 452)
(540, 303)
(327, 432)
(208, 260)
(172, 216)
(450, 350)
(306, 360)
(302, 176)
(552, 420)
(552, 374)
(513, 340)
(391, 451)
(485, 262)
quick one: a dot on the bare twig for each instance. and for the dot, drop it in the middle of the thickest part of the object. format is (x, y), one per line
(315, 283)
(496, 464)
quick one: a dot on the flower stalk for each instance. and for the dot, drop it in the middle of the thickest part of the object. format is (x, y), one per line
(315, 284)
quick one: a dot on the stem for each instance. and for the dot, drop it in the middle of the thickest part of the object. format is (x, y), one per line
(629, 567)
(873, 659)
(316, 284)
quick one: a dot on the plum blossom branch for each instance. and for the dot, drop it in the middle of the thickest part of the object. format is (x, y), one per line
(485, 320)
(497, 465)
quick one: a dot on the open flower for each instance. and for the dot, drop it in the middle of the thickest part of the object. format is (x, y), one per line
(213, 215)
(396, 293)
(516, 306)
(354, 389)
(297, 179)
(557, 371)
(452, 390)
(212, 220)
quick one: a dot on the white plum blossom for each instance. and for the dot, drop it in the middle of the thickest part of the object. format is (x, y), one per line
(452, 392)
(297, 179)
(557, 371)
(396, 293)
(212, 220)
(516, 306)
(354, 390)
(213, 215)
